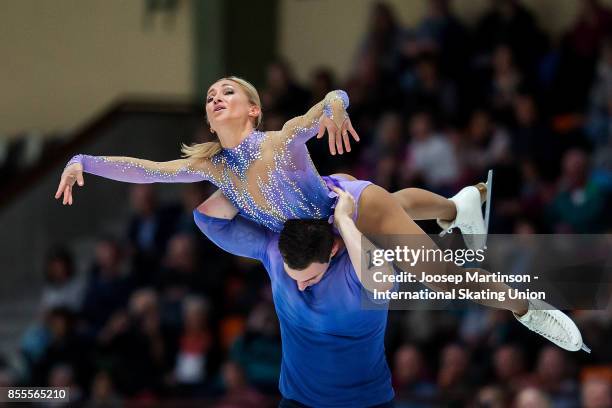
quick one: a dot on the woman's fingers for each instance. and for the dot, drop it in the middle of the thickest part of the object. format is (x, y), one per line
(345, 138)
(347, 142)
(338, 139)
(352, 130)
(66, 193)
(331, 140)
(65, 186)
(321, 131)
(80, 180)
(60, 188)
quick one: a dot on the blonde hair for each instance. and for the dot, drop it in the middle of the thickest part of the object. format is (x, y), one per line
(209, 149)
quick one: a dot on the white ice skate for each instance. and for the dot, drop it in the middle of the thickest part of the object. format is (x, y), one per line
(469, 217)
(553, 325)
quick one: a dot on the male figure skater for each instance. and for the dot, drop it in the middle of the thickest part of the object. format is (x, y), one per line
(333, 348)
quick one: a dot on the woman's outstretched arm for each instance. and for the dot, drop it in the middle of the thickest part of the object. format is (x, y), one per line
(131, 170)
(329, 114)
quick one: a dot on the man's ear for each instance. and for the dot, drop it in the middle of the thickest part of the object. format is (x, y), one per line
(335, 247)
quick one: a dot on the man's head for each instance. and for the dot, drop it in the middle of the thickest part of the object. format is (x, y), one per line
(307, 246)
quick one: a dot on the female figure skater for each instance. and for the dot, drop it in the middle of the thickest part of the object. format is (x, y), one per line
(270, 178)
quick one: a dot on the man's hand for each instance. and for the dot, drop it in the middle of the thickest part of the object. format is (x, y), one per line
(345, 205)
(357, 244)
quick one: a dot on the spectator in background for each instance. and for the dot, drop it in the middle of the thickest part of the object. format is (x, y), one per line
(491, 397)
(370, 82)
(109, 284)
(180, 272)
(532, 398)
(63, 376)
(599, 123)
(8, 378)
(282, 93)
(431, 159)
(453, 382)
(148, 231)
(382, 158)
(425, 90)
(62, 287)
(596, 393)
(274, 121)
(191, 195)
(65, 348)
(553, 376)
(382, 40)
(581, 45)
(136, 346)
(204, 251)
(505, 83)
(510, 369)
(258, 350)
(580, 204)
(509, 22)
(593, 24)
(103, 393)
(195, 356)
(440, 32)
(410, 380)
(486, 144)
(238, 392)
(531, 139)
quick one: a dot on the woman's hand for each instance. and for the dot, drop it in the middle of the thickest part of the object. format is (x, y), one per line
(345, 205)
(72, 174)
(337, 136)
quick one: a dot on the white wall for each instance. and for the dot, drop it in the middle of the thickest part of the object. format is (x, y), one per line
(327, 32)
(64, 60)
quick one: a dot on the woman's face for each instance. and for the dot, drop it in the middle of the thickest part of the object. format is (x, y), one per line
(226, 101)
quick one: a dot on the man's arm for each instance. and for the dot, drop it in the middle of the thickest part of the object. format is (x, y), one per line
(357, 246)
(217, 218)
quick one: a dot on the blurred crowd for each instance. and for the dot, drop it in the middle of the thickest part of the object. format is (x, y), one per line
(161, 313)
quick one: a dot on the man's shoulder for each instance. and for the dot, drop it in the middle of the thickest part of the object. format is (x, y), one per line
(272, 244)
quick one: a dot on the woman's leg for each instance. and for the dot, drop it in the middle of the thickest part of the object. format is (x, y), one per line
(418, 203)
(424, 205)
(344, 176)
(384, 220)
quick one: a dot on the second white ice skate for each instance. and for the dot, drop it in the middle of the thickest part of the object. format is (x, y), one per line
(553, 325)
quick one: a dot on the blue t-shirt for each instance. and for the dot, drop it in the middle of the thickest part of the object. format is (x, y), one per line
(333, 348)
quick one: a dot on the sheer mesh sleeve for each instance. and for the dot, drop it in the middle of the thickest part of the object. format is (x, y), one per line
(132, 170)
(304, 127)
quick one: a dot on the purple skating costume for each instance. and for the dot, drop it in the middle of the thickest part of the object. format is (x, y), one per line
(269, 176)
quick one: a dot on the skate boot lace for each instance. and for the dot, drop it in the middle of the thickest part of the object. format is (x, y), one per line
(543, 319)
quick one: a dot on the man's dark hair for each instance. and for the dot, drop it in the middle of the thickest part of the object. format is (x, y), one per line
(303, 242)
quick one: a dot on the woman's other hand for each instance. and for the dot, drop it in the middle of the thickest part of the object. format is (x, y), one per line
(72, 174)
(337, 136)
